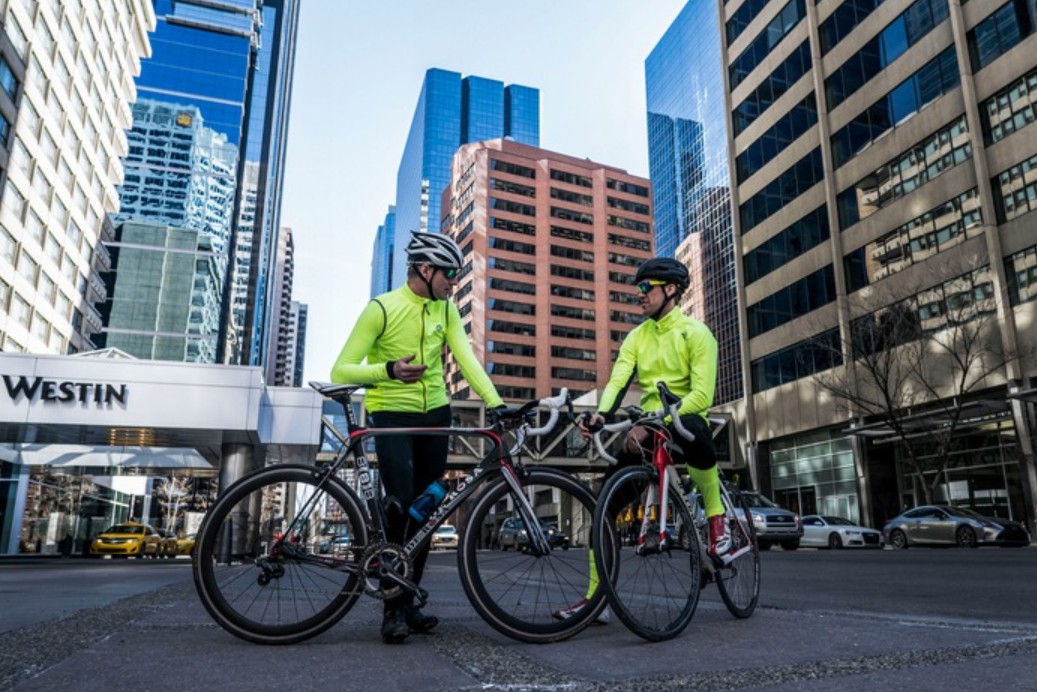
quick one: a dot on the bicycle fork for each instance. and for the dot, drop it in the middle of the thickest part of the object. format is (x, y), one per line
(538, 543)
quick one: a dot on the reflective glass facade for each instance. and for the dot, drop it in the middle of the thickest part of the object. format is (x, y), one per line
(452, 110)
(230, 64)
(688, 167)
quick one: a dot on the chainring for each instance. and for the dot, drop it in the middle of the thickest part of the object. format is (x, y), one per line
(392, 556)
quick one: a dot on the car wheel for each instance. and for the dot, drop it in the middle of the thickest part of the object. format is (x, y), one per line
(965, 537)
(790, 545)
(898, 539)
(835, 542)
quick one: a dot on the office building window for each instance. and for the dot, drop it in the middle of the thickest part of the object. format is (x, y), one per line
(796, 180)
(742, 17)
(803, 296)
(790, 243)
(512, 168)
(570, 215)
(512, 246)
(772, 88)
(937, 77)
(877, 54)
(928, 159)
(572, 197)
(510, 265)
(1011, 109)
(629, 188)
(768, 39)
(1015, 190)
(512, 207)
(512, 188)
(924, 236)
(572, 253)
(1000, 32)
(787, 130)
(1021, 270)
(843, 20)
(512, 226)
(571, 178)
(800, 360)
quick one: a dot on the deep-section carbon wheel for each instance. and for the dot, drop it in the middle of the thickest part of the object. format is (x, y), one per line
(739, 581)
(521, 593)
(266, 567)
(652, 582)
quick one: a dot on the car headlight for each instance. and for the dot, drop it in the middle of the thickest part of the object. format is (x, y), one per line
(757, 518)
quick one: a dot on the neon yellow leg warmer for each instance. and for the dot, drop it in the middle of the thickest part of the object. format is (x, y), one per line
(709, 485)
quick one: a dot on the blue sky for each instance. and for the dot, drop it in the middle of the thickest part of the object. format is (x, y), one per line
(358, 72)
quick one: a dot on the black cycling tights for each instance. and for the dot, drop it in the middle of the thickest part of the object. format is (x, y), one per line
(407, 465)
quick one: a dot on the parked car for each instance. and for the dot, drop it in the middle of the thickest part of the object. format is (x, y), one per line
(947, 525)
(129, 538)
(825, 531)
(513, 534)
(167, 547)
(444, 537)
(774, 524)
(185, 544)
(336, 545)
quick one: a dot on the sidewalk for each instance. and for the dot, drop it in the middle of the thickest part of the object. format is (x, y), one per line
(164, 641)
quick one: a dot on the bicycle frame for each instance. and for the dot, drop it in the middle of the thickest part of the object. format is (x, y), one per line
(499, 459)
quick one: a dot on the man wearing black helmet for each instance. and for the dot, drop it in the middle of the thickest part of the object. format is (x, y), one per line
(397, 345)
(673, 348)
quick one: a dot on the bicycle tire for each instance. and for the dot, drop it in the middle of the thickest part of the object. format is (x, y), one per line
(739, 582)
(653, 592)
(517, 593)
(279, 591)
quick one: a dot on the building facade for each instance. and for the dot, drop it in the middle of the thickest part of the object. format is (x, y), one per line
(282, 360)
(452, 110)
(687, 163)
(66, 76)
(883, 154)
(239, 104)
(551, 244)
(382, 257)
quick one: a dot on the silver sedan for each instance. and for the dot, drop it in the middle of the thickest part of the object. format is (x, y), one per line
(824, 531)
(946, 525)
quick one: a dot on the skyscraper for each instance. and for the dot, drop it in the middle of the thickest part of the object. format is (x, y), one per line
(452, 111)
(551, 244)
(884, 156)
(688, 166)
(223, 70)
(381, 260)
(65, 100)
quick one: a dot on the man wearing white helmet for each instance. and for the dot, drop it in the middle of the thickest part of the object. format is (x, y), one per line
(397, 345)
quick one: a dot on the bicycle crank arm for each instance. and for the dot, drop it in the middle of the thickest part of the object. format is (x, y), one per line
(406, 584)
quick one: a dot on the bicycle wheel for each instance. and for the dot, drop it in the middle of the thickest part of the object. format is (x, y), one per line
(266, 567)
(522, 595)
(653, 586)
(739, 581)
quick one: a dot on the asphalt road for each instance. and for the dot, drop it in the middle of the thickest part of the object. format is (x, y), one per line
(915, 620)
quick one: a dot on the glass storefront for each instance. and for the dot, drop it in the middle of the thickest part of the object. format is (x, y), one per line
(62, 510)
(814, 474)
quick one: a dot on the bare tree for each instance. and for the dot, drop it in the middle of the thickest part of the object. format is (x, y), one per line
(172, 495)
(916, 368)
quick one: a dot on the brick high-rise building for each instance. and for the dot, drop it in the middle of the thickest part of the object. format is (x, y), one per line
(551, 244)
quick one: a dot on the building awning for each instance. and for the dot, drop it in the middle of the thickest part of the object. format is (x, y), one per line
(84, 456)
(972, 414)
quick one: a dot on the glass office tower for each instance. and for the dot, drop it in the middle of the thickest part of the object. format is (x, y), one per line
(227, 65)
(688, 167)
(381, 261)
(452, 111)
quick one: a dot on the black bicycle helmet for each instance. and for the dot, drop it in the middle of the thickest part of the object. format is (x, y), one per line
(663, 269)
(435, 249)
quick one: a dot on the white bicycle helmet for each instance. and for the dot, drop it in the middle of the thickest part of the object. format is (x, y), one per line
(435, 249)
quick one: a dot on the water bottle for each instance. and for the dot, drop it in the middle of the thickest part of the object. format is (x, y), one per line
(426, 503)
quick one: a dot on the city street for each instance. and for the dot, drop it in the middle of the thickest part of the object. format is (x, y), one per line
(846, 620)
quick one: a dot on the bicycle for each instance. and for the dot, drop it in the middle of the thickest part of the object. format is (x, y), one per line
(261, 575)
(652, 593)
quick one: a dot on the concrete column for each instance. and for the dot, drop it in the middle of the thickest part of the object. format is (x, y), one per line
(238, 461)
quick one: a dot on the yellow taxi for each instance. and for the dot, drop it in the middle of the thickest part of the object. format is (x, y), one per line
(185, 544)
(126, 539)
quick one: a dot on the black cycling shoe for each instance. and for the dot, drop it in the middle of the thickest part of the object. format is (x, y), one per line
(417, 621)
(394, 626)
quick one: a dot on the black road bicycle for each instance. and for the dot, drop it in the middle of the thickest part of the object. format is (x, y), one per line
(285, 552)
(653, 540)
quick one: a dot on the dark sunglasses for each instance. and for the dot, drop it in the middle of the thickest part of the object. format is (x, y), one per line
(646, 286)
(450, 273)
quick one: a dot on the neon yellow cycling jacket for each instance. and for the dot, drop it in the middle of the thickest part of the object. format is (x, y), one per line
(677, 350)
(395, 325)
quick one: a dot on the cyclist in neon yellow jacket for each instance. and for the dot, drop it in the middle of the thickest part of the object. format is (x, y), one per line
(397, 346)
(673, 348)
